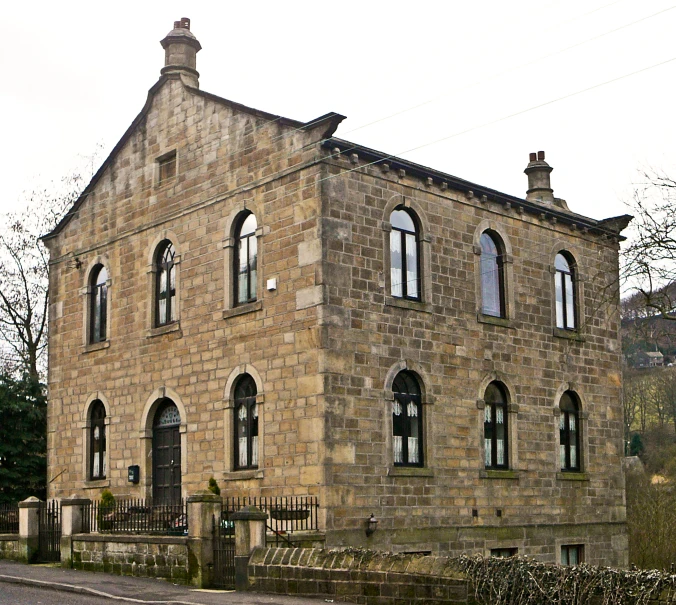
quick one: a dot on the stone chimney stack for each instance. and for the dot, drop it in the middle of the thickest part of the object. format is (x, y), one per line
(539, 189)
(180, 53)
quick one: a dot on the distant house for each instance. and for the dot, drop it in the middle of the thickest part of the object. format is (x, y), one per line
(650, 359)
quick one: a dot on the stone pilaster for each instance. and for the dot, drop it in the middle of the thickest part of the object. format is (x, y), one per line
(203, 508)
(249, 535)
(29, 527)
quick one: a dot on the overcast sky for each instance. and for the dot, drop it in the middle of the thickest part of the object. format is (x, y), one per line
(468, 88)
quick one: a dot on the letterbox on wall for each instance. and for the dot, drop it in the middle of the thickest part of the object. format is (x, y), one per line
(133, 473)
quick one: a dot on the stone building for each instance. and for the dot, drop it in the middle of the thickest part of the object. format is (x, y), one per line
(248, 297)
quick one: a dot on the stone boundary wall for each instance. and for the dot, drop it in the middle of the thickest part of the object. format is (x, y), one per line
(147, 556)
(370, 578)
(358, 576)
(9, 547)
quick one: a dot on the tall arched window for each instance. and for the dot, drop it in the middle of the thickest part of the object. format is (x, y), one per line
(97, 441)
(165, 287)
(407, 438)
(492, 276)
(404, 256)
(246, 424)
(569, 432)
(565, 293)
(98, 312)
(495, 426)
(246, 261)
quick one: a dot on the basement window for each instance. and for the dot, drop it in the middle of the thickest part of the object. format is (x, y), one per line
(504, 553)
(572, 554)
(167, 167)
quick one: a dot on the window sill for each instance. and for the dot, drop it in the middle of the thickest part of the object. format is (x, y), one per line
(243, 309)
(159, 330)
(405, 303)
(96, 346)
(410, 471)
(96, 484)
(499, 474)
(503, 322)
(254, 473)
(572, 476)
(567, 334)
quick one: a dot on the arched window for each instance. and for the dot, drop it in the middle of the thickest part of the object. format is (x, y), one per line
(495, 426)
(165, 287)
(569, 432)
(407, 436)
(98, 311)
(97, 441)
(246, 424)
(492, 276)
(246, 261)
(565, 293)
(404, 256)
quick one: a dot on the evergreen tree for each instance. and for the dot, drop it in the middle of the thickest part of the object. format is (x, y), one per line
(23, 439)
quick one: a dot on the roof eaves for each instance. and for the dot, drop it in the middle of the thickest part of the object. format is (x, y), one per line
(608, 227)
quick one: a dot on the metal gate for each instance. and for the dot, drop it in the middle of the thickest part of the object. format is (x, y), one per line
(224, 552)
(49, 532)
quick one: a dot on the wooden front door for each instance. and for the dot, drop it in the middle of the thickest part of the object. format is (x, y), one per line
(167, 456)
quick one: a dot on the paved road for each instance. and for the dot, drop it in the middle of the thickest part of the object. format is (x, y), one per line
(15, 594)
(91, 587)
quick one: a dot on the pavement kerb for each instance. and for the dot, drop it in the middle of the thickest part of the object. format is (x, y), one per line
(84, 590)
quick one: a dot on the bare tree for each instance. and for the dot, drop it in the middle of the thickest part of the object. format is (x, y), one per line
(649, 260)
(24, 276)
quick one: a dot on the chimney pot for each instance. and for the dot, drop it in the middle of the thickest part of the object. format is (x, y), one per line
(539, 187)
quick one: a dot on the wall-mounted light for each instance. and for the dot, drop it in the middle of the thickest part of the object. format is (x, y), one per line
(371, 525)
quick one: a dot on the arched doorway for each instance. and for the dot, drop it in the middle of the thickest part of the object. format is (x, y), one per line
(167, 454)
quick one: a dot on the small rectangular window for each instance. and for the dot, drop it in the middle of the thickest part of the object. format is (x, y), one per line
(504, 553)
(572, 554)
(167, 167)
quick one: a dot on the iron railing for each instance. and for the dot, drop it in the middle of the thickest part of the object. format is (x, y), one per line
(9, 518)
(136, 516)
(286, 514)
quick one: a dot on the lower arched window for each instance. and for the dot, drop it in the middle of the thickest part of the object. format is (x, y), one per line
(246, 424)
(495, 426)
(407, 435)
(97, 441)
(569, 432)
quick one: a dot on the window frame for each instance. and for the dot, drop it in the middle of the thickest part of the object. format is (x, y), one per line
(251, 281)
(499, 269)
(249, 401)
(580, 554)
(170, 267)
(565, 447)
(97, 421)
(165, 161)
(567, 295)
(492, 406)
(402, 401)
(401, 233)
(98, 308)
